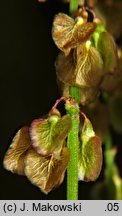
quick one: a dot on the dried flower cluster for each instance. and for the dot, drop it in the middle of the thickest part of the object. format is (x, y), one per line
(88, 54)
(40, 151)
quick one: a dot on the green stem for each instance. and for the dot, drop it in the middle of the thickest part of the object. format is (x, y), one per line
(108, 141)
(108, 158)
(72, 108)
(109, 161)
(73, 6)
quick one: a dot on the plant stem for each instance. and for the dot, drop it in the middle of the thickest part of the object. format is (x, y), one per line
(108, 141)
(73, 6)
(109, 160)
(72, 108)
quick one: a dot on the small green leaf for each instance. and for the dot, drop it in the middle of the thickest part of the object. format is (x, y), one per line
(48, 135)
(107, 48)
(90, 153)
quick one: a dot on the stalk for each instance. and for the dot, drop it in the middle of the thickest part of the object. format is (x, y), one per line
(72, 108)
(73, 6)
(109, 164)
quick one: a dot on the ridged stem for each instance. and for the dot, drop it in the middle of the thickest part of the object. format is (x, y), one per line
(72, 108)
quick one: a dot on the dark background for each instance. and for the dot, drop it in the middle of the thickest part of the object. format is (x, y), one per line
(28, 87)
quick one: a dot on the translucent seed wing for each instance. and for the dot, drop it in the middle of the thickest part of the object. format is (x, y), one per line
(90, 153)
(46, 172)
(48, 135)
(68, 33)
(14, 158)
(107, 48)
